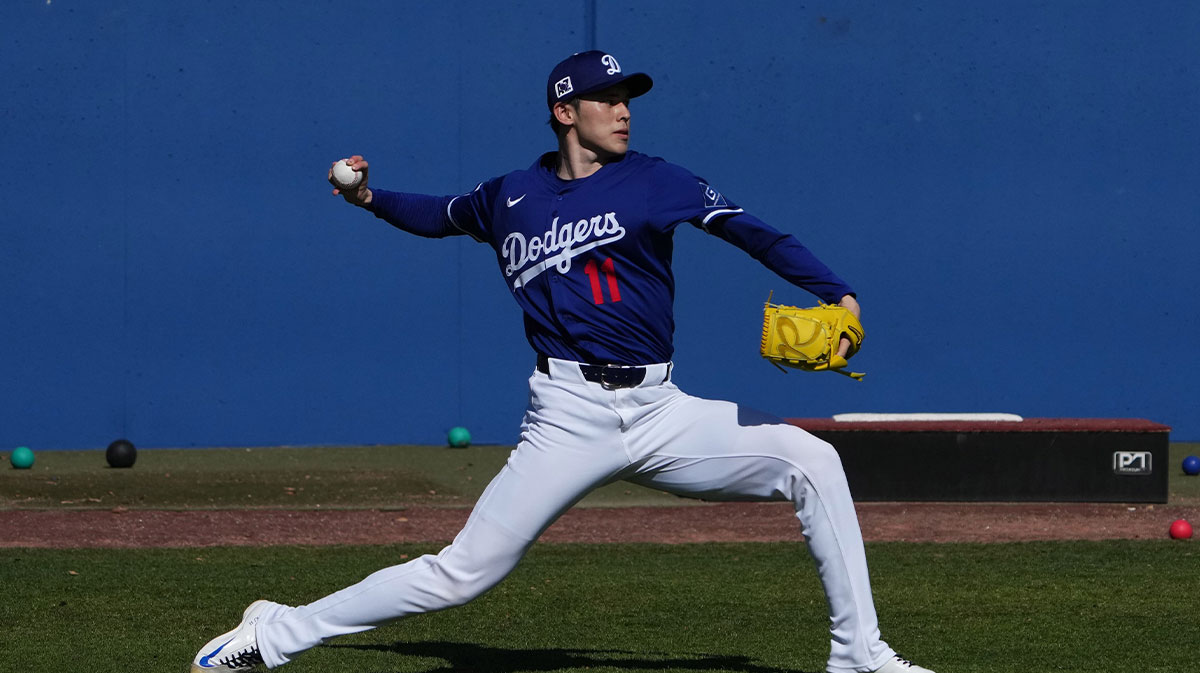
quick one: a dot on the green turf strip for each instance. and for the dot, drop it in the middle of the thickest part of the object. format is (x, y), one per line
(744, 608)
(320, 478)
(359, 477)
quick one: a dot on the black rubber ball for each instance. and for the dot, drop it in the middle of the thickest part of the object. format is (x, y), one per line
(121, 453)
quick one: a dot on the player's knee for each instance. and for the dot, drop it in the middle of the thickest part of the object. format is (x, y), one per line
(802, 448)
(462, 585)
(808, 462)
(465, 592)
(465, 577)
(815, 459)
(827, 455)
(824, 464)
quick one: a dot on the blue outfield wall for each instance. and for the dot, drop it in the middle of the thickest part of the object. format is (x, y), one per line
(1012, 188)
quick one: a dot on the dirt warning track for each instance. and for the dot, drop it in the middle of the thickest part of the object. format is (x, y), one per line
(726, 522)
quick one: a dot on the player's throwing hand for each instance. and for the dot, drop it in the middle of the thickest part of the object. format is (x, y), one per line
(358, 194)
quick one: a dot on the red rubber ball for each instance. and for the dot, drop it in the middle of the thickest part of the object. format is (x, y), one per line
(1181, 529)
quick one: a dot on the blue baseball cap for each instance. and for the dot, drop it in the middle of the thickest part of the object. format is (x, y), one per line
(589, 72)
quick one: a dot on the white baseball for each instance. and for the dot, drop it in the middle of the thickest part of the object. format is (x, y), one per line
(345, 177)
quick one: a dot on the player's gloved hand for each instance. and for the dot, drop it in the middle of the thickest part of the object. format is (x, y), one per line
(849, 303)
(817, 339)
(360, 195)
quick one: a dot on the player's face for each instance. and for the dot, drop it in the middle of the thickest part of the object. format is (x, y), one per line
(602, 122)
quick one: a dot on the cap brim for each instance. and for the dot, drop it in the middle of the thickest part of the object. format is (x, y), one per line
(638, 83)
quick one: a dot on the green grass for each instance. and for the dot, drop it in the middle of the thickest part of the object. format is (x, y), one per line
(743, 608)
(1183, 489)
(740, 608)
(319, 478)
(293, 478)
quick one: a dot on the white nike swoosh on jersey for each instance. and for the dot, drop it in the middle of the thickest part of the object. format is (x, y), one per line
(512, 202)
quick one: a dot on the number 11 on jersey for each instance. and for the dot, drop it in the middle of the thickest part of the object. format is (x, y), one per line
(607, 268)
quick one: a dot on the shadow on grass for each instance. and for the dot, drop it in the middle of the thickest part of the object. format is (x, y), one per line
(462, 657)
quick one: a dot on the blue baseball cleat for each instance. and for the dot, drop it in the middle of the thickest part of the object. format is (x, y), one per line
(235, 651)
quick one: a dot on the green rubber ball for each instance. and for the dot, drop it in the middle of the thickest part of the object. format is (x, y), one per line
(459, 437)
(21, 458)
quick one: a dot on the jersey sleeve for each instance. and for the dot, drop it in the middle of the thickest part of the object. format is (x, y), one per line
(676, 195)
(418, 214)
(471, 213)
(781, 253)
(683, 197)
(437, 216)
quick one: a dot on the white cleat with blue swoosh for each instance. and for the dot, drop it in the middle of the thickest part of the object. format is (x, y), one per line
(234, 651)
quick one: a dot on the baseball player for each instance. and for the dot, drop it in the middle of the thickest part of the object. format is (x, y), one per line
(583, 238)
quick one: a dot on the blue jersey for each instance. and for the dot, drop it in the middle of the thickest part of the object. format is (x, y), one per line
(589, 260)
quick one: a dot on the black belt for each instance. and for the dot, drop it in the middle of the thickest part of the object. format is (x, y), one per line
(609, 376)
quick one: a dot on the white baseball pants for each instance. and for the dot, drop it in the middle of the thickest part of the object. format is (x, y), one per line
(579, 435)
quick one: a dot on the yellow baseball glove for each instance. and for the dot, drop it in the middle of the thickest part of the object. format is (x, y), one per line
(808, 338)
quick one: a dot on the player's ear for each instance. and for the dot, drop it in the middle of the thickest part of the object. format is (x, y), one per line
(564, 113)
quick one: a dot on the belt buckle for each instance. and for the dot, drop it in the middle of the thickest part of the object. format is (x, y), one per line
(604, 382)
(624, 377)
